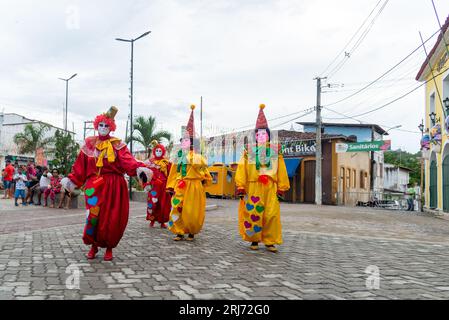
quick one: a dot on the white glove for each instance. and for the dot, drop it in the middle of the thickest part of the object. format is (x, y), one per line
(68, 184)
(147, 172)
(147, 188)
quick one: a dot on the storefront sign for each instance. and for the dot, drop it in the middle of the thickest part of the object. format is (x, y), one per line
(363, 146)
(299, 148)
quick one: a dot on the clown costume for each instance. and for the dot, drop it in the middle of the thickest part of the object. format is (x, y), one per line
(100, 168)
(159, 201)
(186, 182)
(262, 177)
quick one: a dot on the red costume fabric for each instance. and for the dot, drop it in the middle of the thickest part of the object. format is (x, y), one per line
(159, 201)
(106, 195)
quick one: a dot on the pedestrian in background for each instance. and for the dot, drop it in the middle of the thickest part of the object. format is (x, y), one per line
(410, 194)
(20, 178)
(53, 189)
(44, 182)
(8, 179)
(32, 181)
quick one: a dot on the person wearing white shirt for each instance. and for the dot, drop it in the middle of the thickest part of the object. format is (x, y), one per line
(20, 178)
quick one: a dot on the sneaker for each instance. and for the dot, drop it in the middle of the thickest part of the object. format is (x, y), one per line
(272, 248)
(163, 226)
(190, 237)
(16, 204)
(152, 224)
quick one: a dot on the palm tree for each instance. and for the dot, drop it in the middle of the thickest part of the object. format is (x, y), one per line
(146, 132)
(33, 138)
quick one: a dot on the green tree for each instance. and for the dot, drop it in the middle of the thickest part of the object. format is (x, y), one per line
(145, 132)
(65, 151)
(32, 138)
(408, 160)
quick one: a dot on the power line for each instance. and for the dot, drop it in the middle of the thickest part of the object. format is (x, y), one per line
(358, 42)
(383, 75)
(352, 38)
(393, 101)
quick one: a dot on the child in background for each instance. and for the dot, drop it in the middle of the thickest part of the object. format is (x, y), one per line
(53, 189)
(20, 178)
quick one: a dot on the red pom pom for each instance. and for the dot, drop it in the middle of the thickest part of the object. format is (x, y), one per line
(181, 184)
(263, 179)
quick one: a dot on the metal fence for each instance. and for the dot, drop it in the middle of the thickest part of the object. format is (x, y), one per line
(393, 201)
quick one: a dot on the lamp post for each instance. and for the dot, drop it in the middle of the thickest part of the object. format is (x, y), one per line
(66, 98)
(433, 118)
(421, 187)
(131, 96)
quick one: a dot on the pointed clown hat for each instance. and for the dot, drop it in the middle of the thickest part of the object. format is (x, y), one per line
(261, 120)
(190, 129)
(108, 118)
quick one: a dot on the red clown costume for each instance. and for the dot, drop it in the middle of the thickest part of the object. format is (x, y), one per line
(159, 201)
(100, 168)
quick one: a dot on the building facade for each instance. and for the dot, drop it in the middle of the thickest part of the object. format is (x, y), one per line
(362, 133)
(396, 178)
(434, 73)
(345, 176)
(10, 125)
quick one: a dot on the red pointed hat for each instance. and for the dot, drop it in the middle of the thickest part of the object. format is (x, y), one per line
(190, 125)
(261, 120)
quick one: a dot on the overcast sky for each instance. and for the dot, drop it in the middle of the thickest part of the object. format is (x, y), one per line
(236, 54)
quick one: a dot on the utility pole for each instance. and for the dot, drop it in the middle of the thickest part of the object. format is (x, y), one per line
(318, 166)
(201, 126)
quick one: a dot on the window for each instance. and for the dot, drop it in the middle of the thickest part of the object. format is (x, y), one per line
(366, 180)
(348, 178)
(354, 179)
(432, 104)
(362, 179)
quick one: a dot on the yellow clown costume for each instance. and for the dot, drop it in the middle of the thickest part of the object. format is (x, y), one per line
(186, 181)
(261, 176)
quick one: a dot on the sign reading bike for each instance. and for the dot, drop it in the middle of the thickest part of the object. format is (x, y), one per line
(384, 145)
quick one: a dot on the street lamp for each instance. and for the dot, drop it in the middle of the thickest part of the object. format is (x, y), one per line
(433, 118)
(395, 127)
(421, 127)
(66, 97)
(131, 95)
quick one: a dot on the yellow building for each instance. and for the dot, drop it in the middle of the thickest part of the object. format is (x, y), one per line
(435, 74)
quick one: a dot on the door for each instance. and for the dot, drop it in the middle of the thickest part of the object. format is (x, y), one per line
(433, 185)
(446, 184)
(309, 181)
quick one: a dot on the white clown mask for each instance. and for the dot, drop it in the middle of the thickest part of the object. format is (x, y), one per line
(158, 152)
(103, 129)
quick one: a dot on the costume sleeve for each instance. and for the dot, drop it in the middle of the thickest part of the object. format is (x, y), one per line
(207, 176)
(283, 181)
(171, 180)
(128, 162)
(241, 175)
(79, 170)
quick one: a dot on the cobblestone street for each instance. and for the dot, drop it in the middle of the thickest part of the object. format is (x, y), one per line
(325, 255)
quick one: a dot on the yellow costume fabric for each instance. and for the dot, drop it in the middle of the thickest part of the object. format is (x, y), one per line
(259, 215)
(106, 149)
(189, 201)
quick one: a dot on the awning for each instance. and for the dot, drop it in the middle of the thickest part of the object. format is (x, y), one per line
(292, 166)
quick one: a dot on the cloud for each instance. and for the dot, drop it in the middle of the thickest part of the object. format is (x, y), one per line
(236, 54)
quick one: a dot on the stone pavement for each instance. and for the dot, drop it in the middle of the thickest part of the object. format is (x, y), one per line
(328, 253)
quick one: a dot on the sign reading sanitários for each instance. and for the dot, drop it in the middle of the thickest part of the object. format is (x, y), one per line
(384, 145)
